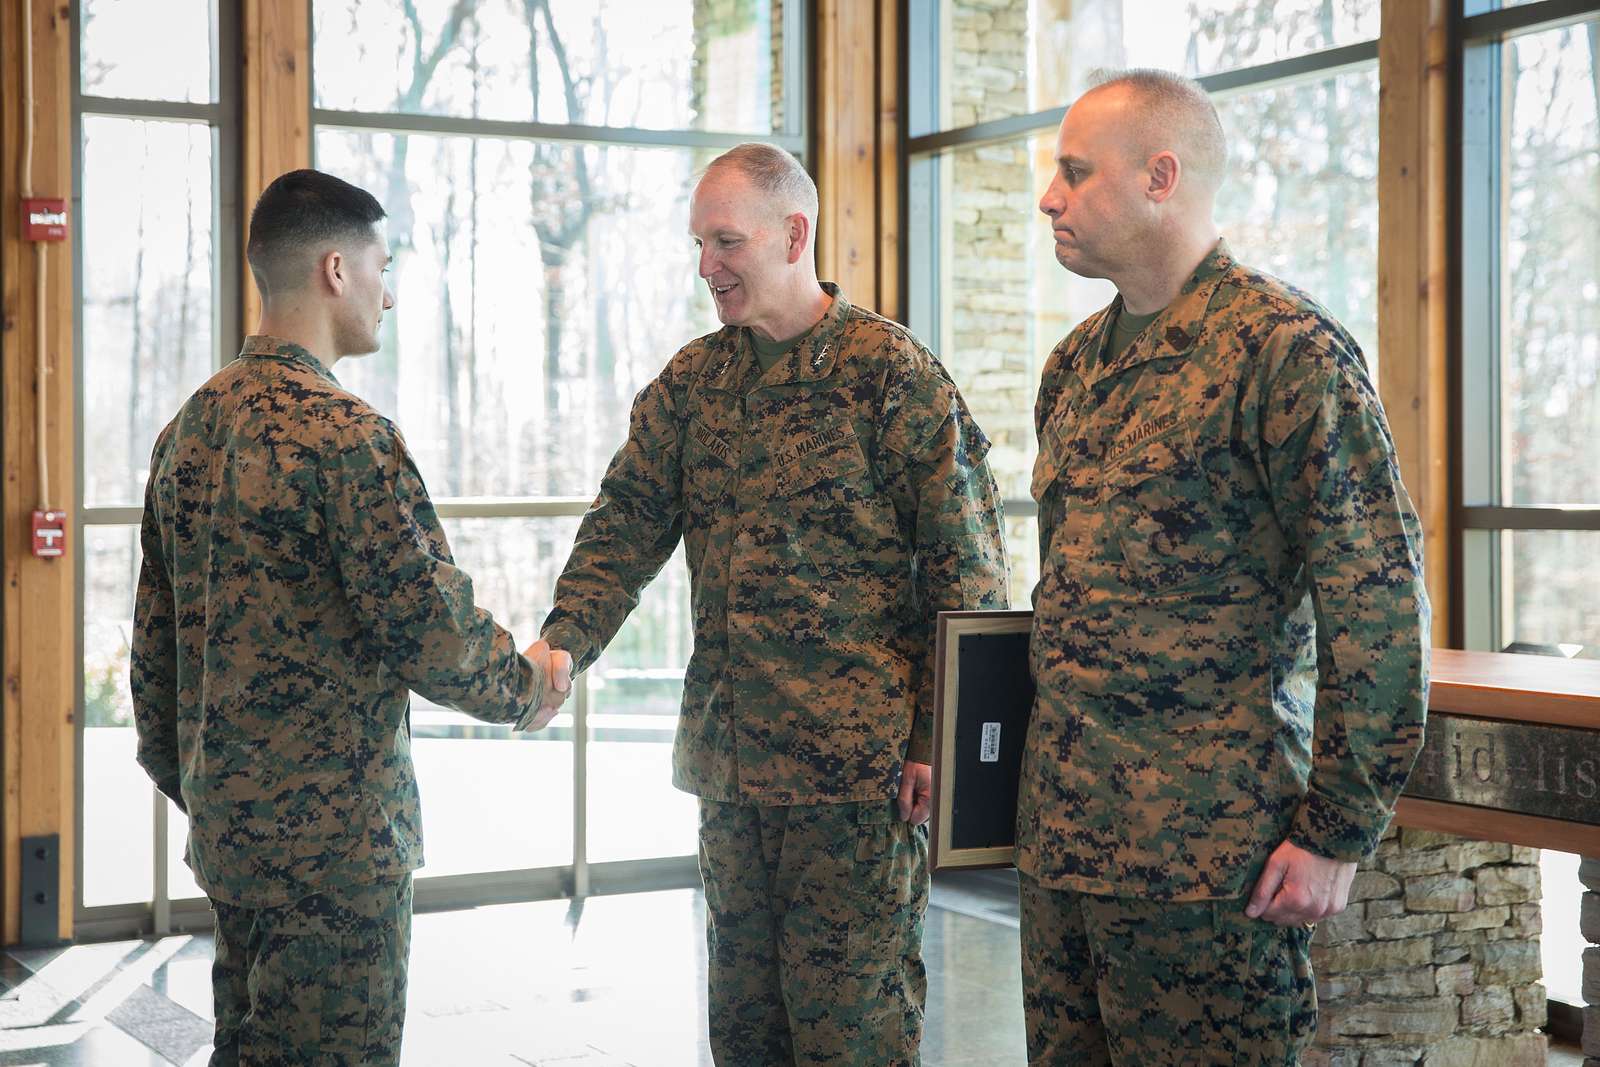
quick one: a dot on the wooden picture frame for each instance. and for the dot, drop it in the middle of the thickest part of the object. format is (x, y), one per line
(980, 725)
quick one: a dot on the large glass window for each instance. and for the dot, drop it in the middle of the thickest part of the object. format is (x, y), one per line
(535, 159)
(1531, 330)
(151, 149)
(1530, 345)
(1296, 87)
(1015, 57)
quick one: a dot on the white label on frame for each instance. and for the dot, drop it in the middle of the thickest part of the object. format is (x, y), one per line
(989, 748)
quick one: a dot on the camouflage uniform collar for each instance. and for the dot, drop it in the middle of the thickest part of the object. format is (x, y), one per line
(812, 358)
(265, 346)
(1175, 330)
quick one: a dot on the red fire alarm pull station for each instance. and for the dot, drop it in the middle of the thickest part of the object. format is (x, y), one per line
(44, 219)
(49, 534)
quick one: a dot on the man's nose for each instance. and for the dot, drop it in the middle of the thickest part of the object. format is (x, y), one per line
(1050, 202)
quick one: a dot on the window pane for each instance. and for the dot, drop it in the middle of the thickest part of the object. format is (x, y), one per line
(117, 795)
(635, 691)
(180, 879)
(148, 51)
(538, 287)
(1562, 935)
(496, 799)
(665, 64)
(1550, 313)
(1004, 300)
(1022, 553)
(1301, 197)
(1016, 56)
(147, 297)
(1543, 572)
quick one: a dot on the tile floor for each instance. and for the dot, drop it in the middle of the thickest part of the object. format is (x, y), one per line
(614, 981)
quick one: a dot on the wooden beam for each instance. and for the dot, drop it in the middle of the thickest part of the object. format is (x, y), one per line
(1502, 685)
(276, 115)
(40, 617)
(1413, 297)
(890, 165)
(1487, 824)
(858, 167)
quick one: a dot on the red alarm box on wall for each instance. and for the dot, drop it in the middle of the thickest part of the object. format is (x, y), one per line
(44, 219)
(49, 534)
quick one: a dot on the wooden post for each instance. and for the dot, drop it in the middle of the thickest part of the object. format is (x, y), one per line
(1413, 297)
(276, 116)
(40, 695)
(858, 150)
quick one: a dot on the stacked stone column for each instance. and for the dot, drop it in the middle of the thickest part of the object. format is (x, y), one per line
(1436, 961)
(1589, 923)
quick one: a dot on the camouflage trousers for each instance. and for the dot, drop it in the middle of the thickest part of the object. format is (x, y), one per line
(814, 934)
(1111, 980)
(318, 982)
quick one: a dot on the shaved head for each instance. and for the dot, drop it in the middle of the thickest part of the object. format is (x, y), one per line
(1166, 112)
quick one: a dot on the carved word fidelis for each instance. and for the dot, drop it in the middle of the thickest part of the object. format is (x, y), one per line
(1552, 771)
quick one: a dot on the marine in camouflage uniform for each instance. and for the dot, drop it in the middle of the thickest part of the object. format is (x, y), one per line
(295, 584)
(830, 507)
(1230, 649)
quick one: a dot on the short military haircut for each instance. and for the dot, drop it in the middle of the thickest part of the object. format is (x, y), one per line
(298, 215)
(1176, 115)
(776, 173)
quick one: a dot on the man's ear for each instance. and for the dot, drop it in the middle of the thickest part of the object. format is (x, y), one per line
(798, 229)
(1165, 172)
(332, 271)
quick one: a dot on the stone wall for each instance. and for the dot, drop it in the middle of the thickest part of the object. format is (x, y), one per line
(1589, 924)
(727, 56)
(989, 192)
(1436, 961)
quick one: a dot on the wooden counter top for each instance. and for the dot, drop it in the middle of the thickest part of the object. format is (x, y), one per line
(1498, 685)
(1531, 689)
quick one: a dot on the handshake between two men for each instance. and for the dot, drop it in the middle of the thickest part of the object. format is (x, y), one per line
(557, 667)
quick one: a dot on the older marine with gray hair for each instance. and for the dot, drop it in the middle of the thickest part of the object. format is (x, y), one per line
(832, 494)
(1230, 637)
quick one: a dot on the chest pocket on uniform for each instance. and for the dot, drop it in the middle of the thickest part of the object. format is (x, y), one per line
(1163, 513)
(709, 460)
(827, 484)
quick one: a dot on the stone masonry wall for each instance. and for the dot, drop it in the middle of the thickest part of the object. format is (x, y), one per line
(991, 204)
(1436, 962)
(1589, 924)
(714, 22)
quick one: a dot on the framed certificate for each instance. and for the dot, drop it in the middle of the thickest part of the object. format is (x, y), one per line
(983, 697)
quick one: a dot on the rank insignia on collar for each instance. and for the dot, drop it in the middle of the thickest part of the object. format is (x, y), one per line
(820, 355)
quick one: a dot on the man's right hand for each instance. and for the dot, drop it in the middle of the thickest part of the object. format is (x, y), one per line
(557, 666)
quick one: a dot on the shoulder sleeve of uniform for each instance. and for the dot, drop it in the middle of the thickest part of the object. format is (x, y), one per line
(1303, 358)
(923, 413)
(415, 606)
(636, 519)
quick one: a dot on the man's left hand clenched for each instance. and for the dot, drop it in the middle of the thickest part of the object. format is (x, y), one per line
(916, 792)
(1300, 887)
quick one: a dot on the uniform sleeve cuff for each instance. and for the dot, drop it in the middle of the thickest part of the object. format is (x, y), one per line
(1330, 829)
(537, 682)
(920, 747)
(565, 637)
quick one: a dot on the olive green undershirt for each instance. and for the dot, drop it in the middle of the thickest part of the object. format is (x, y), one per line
(1125, 330)
(769, 352)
